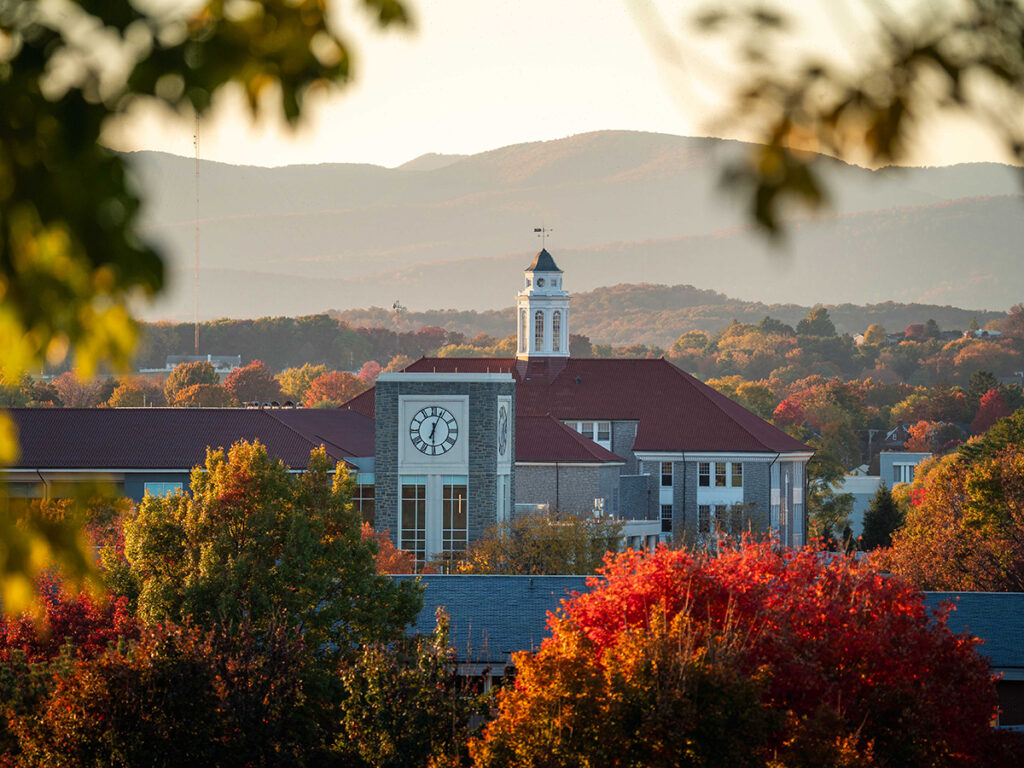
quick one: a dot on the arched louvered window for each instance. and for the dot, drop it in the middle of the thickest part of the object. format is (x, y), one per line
(522, 330)
(538, 330)
(556, 331)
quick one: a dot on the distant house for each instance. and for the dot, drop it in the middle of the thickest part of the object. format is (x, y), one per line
(983, 334)
(894, 467)
(153, 450)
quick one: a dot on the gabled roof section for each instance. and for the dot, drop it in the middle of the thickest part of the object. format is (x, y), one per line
(673, 410)
(166, 438)
(342, 432)
(546, 439)
(543, 262)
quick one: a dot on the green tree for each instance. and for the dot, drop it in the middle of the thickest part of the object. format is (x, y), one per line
(875, 334)
(817, 323)
(405, 705)
(542, 543)
(255, 543)
(881, 520)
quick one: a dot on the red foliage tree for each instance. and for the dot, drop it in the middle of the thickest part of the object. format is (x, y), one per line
(919, 437)
(370, 371)
(334, 387)
(74, 619)
(389, 558)
(850, 666)
(253, 382)
(992, 408)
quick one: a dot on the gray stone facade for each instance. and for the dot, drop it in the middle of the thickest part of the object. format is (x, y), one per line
(570, 488)
(623, 436)
(482, 454)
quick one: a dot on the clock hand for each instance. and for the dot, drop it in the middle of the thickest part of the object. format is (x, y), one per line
(433, 429)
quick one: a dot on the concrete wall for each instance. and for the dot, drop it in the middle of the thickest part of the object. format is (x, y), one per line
(623, 437)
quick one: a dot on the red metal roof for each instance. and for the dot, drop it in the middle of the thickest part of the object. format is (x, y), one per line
(177, 438)
(545, 438)
(674, 411)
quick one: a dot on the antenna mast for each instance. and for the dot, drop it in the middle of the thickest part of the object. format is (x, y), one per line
(195, 273)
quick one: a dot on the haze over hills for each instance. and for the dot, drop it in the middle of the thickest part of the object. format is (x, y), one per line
(626, 208)
(623, 315)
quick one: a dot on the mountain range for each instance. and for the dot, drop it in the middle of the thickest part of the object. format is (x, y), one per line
(624, 207)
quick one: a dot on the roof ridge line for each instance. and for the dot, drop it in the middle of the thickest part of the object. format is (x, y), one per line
(289, 427)
(687, 376)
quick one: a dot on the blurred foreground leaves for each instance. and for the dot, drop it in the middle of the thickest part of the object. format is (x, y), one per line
(71, 256)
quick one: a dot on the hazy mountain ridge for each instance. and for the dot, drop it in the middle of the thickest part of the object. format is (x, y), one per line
(658, 314)
(626, 207)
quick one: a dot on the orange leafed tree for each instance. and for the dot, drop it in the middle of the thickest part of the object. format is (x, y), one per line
(334, 387)
(757, 656)
(389, 558)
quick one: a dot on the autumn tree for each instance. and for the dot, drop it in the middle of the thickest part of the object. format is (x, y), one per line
(333, 388)
(295, 381)
(137, 392)
(543, 543)
(370, 371)
(964, 529)
(253, 382)
(882, 518)
(255, 543)
(76, 392)
(187, 375)
(203, 396)
(991, 409)
(875, 334)
(757, 656)
(389, 558)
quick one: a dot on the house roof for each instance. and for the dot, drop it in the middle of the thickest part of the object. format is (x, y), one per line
(177, 438)
(673, 410)
(995, 617)
(543, 262)
(544, 438)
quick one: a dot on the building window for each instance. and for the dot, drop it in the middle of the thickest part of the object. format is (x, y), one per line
(413, 537)
(538, 330)
(704, 518)
(704, 474)
(666, 474)
(455, 527)
(666, 518)
(721, 516)
(598, 431)
(522, 330)
(736, 520)
(604, 434)
(737, 474)
(364, 499)
(902, 473)
(556, 331)
(161, 490)
(721, 472)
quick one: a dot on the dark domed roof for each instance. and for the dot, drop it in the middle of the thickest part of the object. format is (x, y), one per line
(543, 262)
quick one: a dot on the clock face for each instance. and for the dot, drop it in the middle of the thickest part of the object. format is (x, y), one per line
(433, 430)
(502, 430)
(540, 282)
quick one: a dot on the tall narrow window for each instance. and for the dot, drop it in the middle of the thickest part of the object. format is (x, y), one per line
(413, 536)
(522, 330)
(455, 528)
(721, 471)
(538, 330)
(666, 518)
(666, 474)
(737, 475)
(364, 498)
(556, 331)
(704, 518)
(704, 474)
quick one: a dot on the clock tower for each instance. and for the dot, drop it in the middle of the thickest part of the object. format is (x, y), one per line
(444, 446)
(542, 311)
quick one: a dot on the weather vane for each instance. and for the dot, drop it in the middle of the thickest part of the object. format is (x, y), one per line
(542, 233)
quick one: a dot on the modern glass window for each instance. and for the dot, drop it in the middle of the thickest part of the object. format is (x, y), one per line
(161, 489)
(538, 330)
(556, 330)
(455, 528)
(704, 474)
(364, 499)
(721, 473)
(666, 474)
(737, 474)
(704, 518)
(522, 330)
(666, 518)
(413, 536)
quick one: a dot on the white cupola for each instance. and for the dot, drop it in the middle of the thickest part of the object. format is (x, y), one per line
(542, 311)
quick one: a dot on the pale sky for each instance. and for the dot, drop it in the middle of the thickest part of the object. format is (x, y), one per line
(480, 74)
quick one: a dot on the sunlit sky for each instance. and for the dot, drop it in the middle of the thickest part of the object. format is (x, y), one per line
(475, 75)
